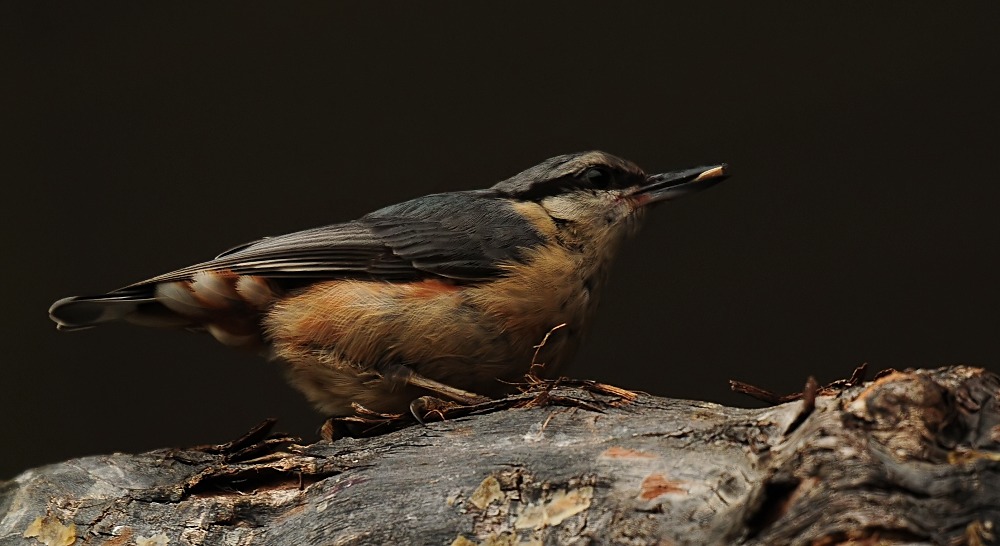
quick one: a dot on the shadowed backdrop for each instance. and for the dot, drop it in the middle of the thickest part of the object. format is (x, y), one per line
(859, 224)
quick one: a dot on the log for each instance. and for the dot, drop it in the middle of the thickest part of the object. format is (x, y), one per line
(912, 457)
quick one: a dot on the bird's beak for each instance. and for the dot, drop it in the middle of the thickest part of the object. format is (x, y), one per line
(666, 186)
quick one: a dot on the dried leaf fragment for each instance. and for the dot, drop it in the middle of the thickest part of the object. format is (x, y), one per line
(50, 531)
(562, 505)
(487, 492)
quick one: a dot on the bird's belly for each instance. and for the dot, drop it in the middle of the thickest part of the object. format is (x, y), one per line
(341, 337)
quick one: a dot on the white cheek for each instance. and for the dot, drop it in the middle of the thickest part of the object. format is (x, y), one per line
(564, 208)
(597, 210)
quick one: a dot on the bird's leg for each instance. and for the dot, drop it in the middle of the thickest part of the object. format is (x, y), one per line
(449, 392)
(430, 405)
(399, 372)
(426, 406)
(423, 406)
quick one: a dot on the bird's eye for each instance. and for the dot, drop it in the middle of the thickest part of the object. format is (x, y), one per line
(598, 177)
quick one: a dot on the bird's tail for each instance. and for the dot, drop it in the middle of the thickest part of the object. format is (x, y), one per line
(227, 306)
(137, 305)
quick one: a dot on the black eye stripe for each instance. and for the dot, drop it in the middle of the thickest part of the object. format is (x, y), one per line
(592, 179)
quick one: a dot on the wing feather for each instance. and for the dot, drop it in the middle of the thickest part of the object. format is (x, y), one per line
(464, 236)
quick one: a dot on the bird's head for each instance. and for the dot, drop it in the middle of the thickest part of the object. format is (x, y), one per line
(599, 195)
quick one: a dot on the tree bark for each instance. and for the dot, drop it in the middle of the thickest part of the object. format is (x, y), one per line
(913, 457)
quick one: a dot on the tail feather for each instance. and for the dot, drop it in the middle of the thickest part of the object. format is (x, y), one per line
(227, 306)
(132, 305)
(80, 312)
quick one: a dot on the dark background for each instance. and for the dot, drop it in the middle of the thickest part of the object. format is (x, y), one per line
(860, 224)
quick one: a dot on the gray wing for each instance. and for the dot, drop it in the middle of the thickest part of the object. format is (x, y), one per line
(465, 236)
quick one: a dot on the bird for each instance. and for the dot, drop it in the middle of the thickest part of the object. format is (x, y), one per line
(448, 295)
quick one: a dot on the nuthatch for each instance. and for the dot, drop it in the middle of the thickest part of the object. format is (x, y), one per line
(449, 294)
